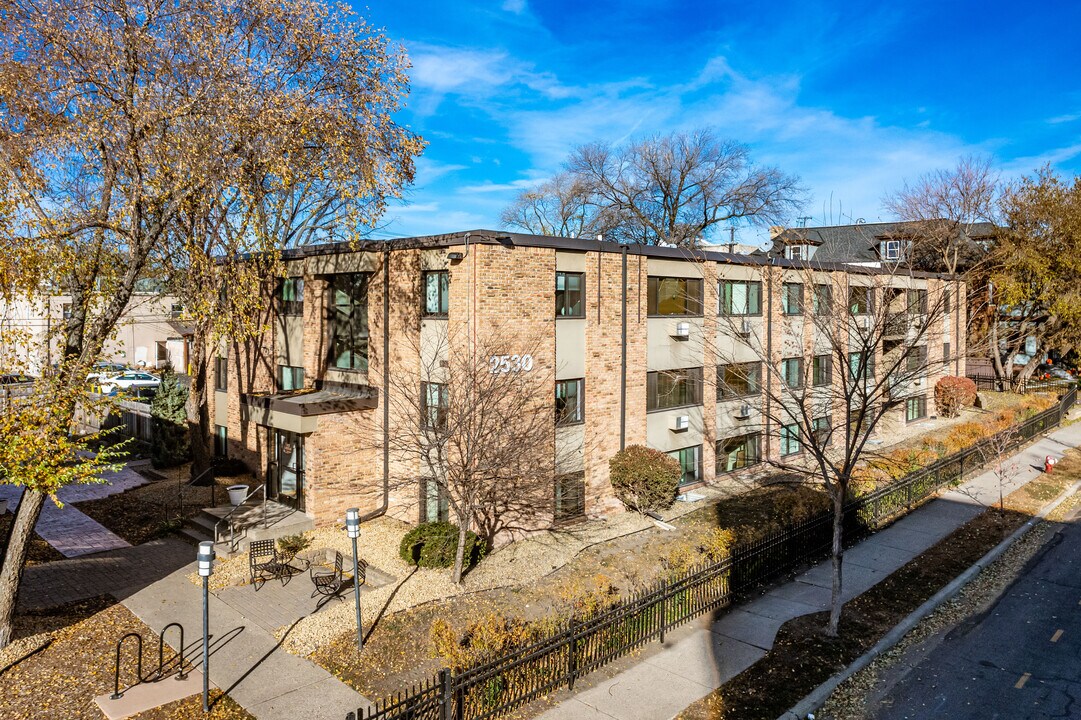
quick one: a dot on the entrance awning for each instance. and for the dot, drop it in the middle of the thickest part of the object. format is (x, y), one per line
(298, 410)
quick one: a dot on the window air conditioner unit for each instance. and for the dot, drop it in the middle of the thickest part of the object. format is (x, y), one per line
(680, 423)
(745, 327)
(683, 331)
(744, 412)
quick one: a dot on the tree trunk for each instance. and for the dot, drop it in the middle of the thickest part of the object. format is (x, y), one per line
(838, 557)
(1026, 372)
(459, 554)
(26, 517)
(197, 410)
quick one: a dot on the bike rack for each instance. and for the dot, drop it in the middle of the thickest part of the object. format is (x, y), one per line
(160, 674)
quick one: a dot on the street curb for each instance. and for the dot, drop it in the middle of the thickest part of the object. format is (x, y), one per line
(819, 695)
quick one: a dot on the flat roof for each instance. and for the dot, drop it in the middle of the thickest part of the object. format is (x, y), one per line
(512, 239)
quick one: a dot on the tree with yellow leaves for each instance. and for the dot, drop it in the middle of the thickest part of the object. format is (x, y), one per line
(119, 117)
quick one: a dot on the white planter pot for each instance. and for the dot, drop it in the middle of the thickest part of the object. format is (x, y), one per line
(237, 493)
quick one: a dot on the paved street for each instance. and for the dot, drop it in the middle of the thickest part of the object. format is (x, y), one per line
(1022, 659)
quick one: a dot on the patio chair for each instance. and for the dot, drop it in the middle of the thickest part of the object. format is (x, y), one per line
(263, 561)
(328, 582)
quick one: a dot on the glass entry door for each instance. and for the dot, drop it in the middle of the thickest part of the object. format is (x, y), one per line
(289, 457)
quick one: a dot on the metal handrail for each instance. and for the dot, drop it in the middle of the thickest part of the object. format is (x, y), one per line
(229, 515)
(213, 485)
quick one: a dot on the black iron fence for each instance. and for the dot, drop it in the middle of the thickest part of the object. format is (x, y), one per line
(584, 644)
(1029, 385)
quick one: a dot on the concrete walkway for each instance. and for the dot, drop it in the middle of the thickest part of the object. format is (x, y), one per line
(704, 655)
(71, 532)
(246, 660)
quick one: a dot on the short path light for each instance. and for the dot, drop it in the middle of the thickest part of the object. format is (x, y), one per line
(352, 528)
(205, 559)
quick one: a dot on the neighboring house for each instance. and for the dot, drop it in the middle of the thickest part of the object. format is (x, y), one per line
(149, 334)
(303, 405)
(859, 244)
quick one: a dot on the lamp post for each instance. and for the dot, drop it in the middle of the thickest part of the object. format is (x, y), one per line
(205, 559)
(352, 528)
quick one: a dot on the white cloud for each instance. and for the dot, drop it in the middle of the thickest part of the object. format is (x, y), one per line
(1060, 119)
(514, 6)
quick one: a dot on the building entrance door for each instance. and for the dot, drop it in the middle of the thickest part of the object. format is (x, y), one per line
(289, 457)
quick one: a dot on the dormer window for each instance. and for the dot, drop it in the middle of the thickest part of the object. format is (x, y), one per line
(892, 250)
(799, 252)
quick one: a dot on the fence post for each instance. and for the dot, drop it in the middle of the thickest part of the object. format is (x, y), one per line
(664, 610)
(446, 710)
(572, 653)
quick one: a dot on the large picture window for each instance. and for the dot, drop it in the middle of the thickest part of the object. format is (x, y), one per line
(349, 321)
(569, 402)
(739, 298)
(736, 453)
(570, 294)
(674, 296)
(738, 380)
(673, 388)
(436, 293)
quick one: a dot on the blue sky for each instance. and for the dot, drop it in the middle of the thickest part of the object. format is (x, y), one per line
(852, 97)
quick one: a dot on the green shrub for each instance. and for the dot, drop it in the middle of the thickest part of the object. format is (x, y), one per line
(292, 544)
(954, 393)
(434, 545)
(644, 478)
(170, 442)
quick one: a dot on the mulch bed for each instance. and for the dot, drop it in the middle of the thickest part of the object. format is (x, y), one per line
(803, 656)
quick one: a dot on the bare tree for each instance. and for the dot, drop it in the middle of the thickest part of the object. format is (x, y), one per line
(476, 427)
(564, 206)
(951, 210)
(852, 353)
(667, 189)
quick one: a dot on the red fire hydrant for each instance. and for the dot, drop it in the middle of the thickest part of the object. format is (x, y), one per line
(1049, 464)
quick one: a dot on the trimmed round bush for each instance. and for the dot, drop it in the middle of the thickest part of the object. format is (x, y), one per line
(434, 545)
(952, 394)
(644, 478)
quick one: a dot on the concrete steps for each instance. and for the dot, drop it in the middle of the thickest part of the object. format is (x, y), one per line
(248, 524)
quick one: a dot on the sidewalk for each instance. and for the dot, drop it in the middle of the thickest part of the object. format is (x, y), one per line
(246, 660)
(705, 654)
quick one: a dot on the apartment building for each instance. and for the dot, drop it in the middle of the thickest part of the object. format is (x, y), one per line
(645, 345)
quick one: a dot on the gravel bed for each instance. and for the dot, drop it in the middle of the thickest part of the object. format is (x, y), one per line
(850, 700)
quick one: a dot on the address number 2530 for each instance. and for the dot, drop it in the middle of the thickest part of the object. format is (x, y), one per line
(510, 363)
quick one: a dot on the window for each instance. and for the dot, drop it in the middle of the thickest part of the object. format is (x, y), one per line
(570, 292)
(433, 502)
(820, 429)
(738, 380)
(740, 298)
(946, 301)
(823, 299)
(674, 296)
(736, 453)
(290, 378)
(915, 408)
(794, 252)
(434, 401)
(945, 352)
(891, 250)
(291, 296)
(917, 302)
(221, 374)
(673, 388)
(436, 293)
(792, 298)
(570, 496)
(349, 321)
(221, 442)
(690, 462)
(792, 372)
(916, 359)
(858, 367)
(859, 300)
(570, 409)
(821, 370)
(790, 439)
(65, 311)
(176, 310)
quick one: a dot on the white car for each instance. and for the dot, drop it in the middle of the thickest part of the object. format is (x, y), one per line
(128, 381)
(103, 370)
